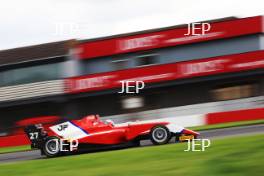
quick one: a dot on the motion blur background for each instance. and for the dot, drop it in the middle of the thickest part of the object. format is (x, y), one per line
(65, 59)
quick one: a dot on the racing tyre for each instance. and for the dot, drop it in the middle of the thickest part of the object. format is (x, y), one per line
(51, 147)
(160, 135)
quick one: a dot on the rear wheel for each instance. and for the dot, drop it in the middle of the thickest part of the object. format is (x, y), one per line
(51, 147)
(160, 135)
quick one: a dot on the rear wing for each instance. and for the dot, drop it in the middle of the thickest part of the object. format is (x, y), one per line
(36, 135)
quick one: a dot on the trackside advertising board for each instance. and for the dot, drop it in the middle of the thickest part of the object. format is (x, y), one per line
(168, 37)
(167, 72)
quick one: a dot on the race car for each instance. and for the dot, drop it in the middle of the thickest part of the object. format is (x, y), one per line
(92, 133)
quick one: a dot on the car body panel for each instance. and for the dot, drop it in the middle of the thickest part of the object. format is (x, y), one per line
(91, 131)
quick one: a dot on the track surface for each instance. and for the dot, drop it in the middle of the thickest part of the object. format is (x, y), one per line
(233, 131)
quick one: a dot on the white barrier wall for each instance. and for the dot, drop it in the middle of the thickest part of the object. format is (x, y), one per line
(190, 115)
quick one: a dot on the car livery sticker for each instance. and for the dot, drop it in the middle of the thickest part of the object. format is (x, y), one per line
(68, 130)
(174, 128)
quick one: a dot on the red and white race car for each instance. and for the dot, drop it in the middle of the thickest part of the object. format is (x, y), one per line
(91, 133)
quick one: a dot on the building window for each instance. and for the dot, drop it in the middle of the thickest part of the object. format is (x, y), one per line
(235, 92)
(145, 60)
(120, 64)
(30, 74)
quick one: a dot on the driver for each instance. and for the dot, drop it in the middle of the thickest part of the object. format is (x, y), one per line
(109, 122)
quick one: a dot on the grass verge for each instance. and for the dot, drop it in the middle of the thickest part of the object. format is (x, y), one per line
(14, 149)
(227, 125)
(234, 156)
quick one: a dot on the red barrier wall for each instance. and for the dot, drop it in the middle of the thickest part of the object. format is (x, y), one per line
(233, 116)
(14, 140)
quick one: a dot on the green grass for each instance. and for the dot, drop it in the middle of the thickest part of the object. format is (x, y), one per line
(227, 125)
(14, 149)
(235, 156)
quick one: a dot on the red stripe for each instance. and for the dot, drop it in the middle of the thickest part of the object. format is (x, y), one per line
(233, 116)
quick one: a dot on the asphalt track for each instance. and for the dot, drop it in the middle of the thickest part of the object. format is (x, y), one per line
(208, 134)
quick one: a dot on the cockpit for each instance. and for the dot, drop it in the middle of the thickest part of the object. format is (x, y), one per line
(94, 120)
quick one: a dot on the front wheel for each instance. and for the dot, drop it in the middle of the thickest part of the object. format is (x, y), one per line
(160, 135)
(51, 147)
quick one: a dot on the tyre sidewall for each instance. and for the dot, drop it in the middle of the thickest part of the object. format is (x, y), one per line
(46, 151)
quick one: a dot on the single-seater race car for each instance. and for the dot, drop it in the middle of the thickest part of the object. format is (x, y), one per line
(92, 133)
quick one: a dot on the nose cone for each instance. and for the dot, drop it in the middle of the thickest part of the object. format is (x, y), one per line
(190, 132)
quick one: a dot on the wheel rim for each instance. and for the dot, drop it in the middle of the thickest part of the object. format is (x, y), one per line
(52, 146)
(160, 135)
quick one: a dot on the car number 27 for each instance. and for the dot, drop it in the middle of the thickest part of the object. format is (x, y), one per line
(33, 136)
